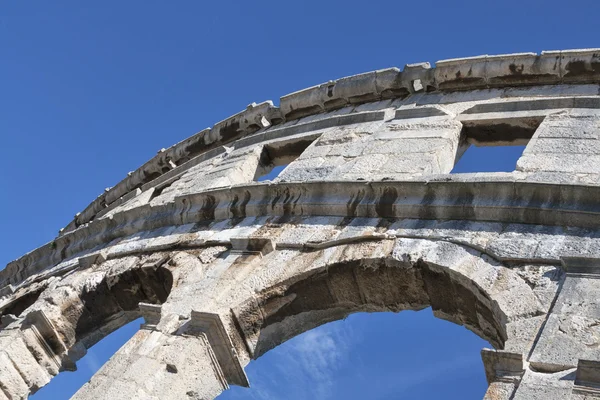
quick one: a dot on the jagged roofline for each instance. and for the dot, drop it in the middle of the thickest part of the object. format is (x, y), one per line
(471, 73)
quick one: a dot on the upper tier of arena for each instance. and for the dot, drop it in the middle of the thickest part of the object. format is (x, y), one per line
(348, 129)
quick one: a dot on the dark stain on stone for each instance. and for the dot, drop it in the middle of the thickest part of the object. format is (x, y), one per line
(292, 149)
(519, 77)
(275, 200)
(238, 211)
(363, 98)
(460, 81)
(579, 68)
(150, 176)
(207, 212)
(285, 219)
(516, 69)
(345, 222)
(287, 202)
(576, 68)
(172, 368)
(466, 201)
(395, 93)
(429, 197)
(425, 212)
(295, 202)
(103, 303)
(230, 130)
(302, 112)
(17, 306)
(385, 204)
(233, 206)
(383, 224)
(195, 148)
(244, 202)
(334, 104)
(353, 203)
(63, 250)
(330, 90)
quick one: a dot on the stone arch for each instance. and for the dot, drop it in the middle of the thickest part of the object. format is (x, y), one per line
(281, 292)
(75, 311)
(461, 284)
(108, 297)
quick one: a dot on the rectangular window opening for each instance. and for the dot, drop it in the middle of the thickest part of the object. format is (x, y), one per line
(275, 157)
(493, 146)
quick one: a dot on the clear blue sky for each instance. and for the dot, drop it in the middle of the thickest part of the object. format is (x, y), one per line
(91, 90)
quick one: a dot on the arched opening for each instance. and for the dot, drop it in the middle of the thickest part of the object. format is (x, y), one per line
(115, 301)
(64, 385)
(301, 290)
(368, 285)
(409, 355)
(459, 285)
(79, 310)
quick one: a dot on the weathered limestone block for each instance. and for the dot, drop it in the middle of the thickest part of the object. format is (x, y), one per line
(394, 150)
(154, 365)
(503, 372)
(545, 385)
(461, 73)
(197, 362)
(11, 381)
(564, 143)
(580, 65)
(571, 332)
(418, 146)
(587, 380)
(550, 67)
(360, 88)
(237, 166)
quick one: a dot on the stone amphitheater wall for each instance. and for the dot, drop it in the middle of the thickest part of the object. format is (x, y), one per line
(366, 216)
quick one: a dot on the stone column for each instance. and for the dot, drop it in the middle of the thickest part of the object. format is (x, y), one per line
(412, 142)
(565, 147)
(565, 361)
(503, 371)
(31, 353)
(195, 361)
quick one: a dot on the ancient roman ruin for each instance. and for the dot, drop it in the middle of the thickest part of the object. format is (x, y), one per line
(366, 217)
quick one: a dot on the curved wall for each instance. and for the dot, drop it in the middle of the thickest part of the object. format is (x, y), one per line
(224, 267)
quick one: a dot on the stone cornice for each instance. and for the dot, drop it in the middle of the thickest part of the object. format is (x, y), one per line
(462, 74)
(483, 197)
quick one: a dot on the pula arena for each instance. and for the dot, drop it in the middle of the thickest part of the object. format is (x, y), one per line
(365, 217)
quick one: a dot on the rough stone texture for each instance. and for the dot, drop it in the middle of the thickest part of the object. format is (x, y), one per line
(366, 217)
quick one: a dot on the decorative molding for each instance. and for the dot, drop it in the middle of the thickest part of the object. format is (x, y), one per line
(211, 325)
(581, 266)
(49, 339)
(252, 246)
(151, 314)
(502, 366)
(587, 378)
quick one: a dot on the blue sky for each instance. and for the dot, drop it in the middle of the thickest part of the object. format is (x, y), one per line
(91, 90)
